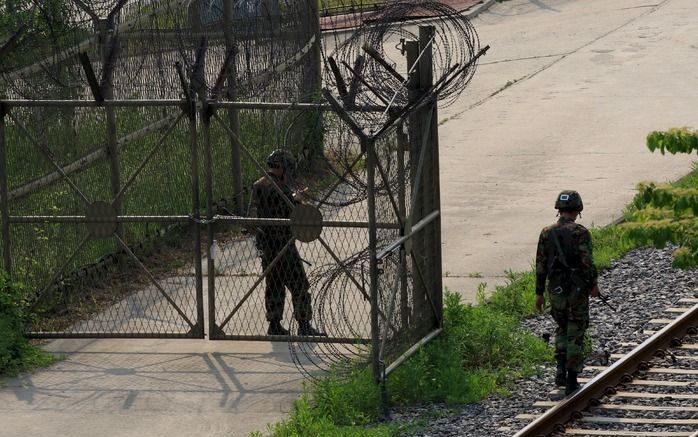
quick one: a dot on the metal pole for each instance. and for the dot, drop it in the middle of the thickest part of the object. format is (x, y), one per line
(432, 198)
(4, 201)
(313, 79)
(419, 300)
(112, 140)
(211, 267)
(368, 146)
(402, 209)
(196, 213)
(233, 113)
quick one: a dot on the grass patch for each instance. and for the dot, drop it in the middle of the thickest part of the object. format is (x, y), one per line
(482, 351)
(16, 353)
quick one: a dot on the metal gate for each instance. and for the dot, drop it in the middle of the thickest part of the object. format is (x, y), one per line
(355, 224)
(81, 218)
(126, 198)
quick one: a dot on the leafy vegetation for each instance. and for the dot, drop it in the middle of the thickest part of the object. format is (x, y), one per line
(16, 353)
(675, 140)
(481, 351)
(661, 214)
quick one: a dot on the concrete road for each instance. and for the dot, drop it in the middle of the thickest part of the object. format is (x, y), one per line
(563, 100)
(590, 79)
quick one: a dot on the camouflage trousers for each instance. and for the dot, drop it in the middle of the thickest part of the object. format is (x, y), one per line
(570, 309)
(287, 272)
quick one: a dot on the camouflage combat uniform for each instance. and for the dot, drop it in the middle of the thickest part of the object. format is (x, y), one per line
(270, 240)
(568, 286)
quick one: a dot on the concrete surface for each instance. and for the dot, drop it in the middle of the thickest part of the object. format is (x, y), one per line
(592, 77)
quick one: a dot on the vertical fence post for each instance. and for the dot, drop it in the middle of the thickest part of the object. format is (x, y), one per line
(368, 146)
(4, 200)
(199, 82)
(432, 200)
(402, 211)
(196, 212)
(378, 365)
(233, 113)
(419, 293)
(108, 48)
(211, 264)
(312, 84)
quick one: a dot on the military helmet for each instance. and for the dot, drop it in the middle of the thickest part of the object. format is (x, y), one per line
(569, 200)
(284, 159)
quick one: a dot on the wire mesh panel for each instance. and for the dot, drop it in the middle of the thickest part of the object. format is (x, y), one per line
(103, 203)
(140, 158)
(133, 45)
(95, 269)
(316, 251)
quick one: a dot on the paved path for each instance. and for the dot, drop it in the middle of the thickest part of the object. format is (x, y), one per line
(592, 77)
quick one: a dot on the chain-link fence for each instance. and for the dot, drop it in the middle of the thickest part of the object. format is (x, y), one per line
(141, 194)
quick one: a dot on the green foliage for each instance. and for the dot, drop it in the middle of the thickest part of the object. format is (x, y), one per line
(665, 214)
(517, 297)
(681, 200)
(348, 401)
(610, 243)
(481, 351)
(16, 354)
(307, 420)
(675, 140)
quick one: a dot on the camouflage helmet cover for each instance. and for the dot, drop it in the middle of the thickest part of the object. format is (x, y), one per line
(284, 159)
(569, 200)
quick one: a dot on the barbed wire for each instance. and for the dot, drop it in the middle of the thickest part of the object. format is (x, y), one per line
(369, 65)
(133, 46)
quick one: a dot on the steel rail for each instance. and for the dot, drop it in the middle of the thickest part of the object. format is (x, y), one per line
(554, 420)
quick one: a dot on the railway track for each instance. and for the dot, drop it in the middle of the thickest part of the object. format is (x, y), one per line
(649, 391)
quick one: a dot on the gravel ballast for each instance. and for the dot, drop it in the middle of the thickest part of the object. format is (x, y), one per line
(641, 286)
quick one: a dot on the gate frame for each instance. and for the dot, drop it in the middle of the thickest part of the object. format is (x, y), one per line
(423, 112)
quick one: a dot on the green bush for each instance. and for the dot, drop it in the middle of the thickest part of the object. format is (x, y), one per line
(16, 354)
(481, 351)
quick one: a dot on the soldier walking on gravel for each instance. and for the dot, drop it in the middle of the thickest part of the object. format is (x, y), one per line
(270, 240)
(564, 259)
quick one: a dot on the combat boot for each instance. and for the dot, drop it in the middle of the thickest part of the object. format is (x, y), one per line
(275, 328)
(306, 329)
(572, 384)
(561, 374)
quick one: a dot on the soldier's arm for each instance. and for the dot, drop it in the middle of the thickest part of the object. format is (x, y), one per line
(587, 258)
(541, 265)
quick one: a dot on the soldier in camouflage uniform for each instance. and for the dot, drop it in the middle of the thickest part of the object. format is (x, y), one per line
(564, 259)
(288, 271)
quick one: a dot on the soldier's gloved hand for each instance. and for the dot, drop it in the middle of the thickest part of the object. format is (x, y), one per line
(594, 291)
(540, 302)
